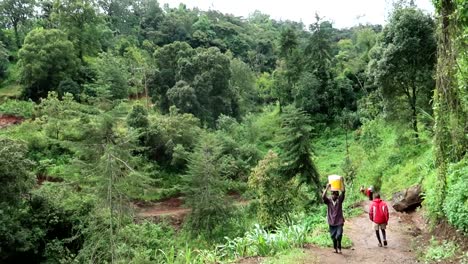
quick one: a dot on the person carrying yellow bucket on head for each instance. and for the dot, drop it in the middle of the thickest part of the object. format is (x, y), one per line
(335, 209)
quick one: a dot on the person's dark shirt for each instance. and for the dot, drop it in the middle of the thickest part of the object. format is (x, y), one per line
(335, 210)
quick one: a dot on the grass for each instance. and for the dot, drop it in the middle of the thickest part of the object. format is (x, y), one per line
(11, 90)
(330, 152)
(320, 236)
(293, 256)
(438, 251)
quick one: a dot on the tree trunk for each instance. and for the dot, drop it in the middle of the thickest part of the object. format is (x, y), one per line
(15, 28)
(450, 117)
(414, 113)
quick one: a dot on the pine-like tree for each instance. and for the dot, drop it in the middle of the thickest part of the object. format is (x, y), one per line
(296, 150)
(205, 192)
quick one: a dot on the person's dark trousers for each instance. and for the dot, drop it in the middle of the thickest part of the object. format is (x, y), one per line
(383, 235)
(336, 234)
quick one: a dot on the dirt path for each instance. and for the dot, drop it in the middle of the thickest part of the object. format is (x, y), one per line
(173, 207)
(8, 120)
(365, 249)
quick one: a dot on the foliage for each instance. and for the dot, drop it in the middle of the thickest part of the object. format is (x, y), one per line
(243, 85)
(142, 242)
(16, 179)
(111, 76)
(205, 193)
(274, 192)
(296, 152)
(3, 61)
(438, 251)
(17, 13)
(450, 96)
(455, 204)
(260, 242)
(171, 137)
(46, 58)
(138, 118)
(406, 61)
(78, 19)
(17, 108)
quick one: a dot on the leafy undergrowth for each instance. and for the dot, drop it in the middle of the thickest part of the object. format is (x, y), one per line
(438, 251)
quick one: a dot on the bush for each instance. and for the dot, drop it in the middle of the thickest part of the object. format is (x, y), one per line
(456, 205)
(274, 193)
(17, 108)
(438, 251)
(137, 243)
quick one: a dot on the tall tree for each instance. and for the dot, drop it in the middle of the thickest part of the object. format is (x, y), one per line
(205, 193)
(78, 18)
(291, 67)
(319, 53)
(46, 58)
(288, 42)
(120, 15)
(408, 57)
(296, 151)
(17, 12)
(167, 58)
(450, 97)
(150, 16)
(112, 75)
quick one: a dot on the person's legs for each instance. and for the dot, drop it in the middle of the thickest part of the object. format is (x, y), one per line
(384, 235)
(339, 243)
(377, 234)
(333, 235)
(339, 237)
(378, 237)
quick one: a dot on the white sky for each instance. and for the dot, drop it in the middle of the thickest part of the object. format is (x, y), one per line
(344, 13)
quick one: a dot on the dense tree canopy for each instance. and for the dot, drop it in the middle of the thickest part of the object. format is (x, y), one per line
(406, 61)
(46, 58)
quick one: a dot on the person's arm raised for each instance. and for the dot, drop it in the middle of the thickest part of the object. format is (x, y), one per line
(342, 196)
(324, 194)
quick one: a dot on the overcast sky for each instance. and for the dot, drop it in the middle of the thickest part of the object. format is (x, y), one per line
(344, 13)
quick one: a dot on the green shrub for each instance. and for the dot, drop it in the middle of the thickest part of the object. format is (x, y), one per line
(138, 243)
(17, 108)
(456, 201)
(274, 193)
(438, 251)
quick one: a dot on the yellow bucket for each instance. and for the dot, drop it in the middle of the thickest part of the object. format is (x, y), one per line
(336, 182)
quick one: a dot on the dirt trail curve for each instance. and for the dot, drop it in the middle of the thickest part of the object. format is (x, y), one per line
(358, 229)
(365, 249)
(8, 120)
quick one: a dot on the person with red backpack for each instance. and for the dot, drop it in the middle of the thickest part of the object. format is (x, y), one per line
(378, 213)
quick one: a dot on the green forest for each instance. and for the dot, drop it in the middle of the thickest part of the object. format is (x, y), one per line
(135, 132)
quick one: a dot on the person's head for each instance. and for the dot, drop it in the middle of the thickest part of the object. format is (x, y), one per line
(335, 195)
(377, 196)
